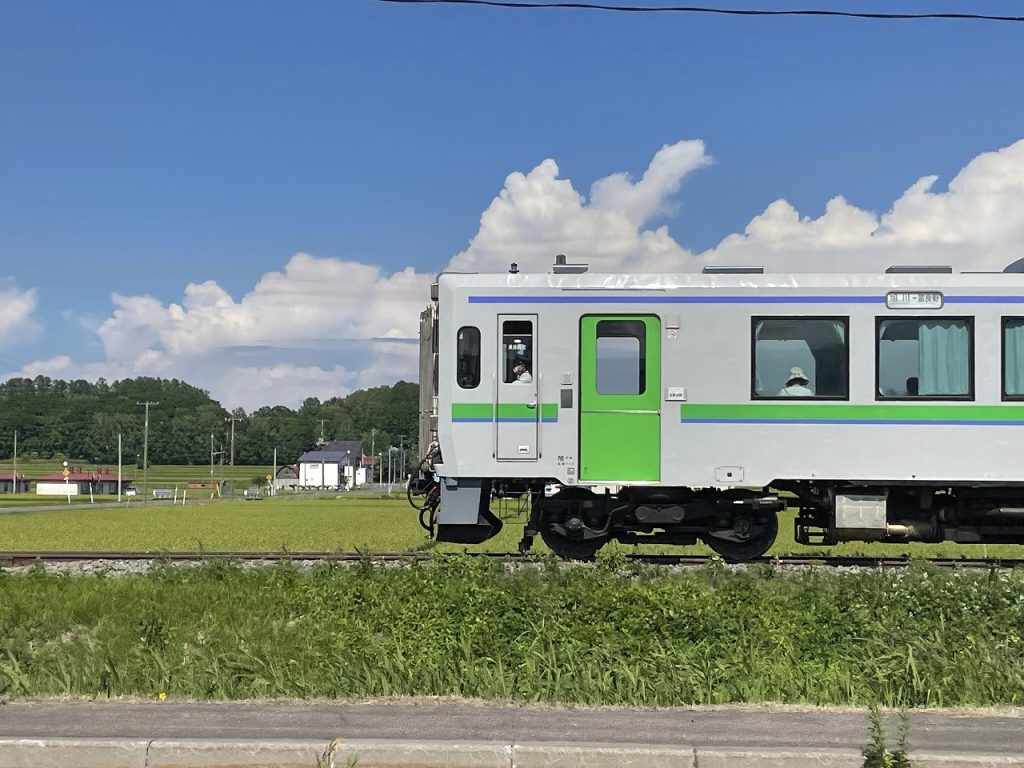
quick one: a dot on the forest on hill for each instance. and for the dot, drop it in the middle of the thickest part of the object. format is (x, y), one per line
(82, 420)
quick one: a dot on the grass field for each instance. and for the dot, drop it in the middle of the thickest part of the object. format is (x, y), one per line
(340, 522)
(613, 634)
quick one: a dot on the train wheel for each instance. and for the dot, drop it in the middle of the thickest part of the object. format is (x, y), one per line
(761, 537)
(571, 549)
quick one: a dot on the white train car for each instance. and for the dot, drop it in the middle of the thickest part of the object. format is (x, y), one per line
(672, 408)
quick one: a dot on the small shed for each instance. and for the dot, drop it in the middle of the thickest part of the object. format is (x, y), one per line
(287, 478)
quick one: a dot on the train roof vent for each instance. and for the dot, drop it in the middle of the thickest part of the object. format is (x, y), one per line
(1017, 266)
(561, 268)
(924, 269)
(732, 271)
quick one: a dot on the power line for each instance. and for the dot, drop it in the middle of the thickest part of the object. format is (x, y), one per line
(544, 4)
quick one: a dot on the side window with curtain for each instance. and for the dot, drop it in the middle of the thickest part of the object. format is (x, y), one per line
(467, 357)
(800, 357)
(1013, 358)
(925, 358)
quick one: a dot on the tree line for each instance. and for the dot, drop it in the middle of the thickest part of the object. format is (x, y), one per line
(81, 419)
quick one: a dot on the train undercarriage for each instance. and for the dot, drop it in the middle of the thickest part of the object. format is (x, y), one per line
(832, 512)
(737, 524)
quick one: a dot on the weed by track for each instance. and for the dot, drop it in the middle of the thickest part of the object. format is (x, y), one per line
(617, 633)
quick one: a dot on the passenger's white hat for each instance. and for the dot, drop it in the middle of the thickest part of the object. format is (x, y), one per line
(796, 372)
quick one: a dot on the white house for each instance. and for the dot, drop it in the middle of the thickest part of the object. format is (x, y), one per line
(339, 464)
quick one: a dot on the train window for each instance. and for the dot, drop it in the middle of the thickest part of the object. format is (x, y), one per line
(1013, 358)
(800, 357)
(621, 355)
(517, 351)
(467, 357)
(925, 358)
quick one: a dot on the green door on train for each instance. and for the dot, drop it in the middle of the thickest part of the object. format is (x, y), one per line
(620, 398)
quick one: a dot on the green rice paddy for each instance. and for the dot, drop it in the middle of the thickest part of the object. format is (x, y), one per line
(346, 522)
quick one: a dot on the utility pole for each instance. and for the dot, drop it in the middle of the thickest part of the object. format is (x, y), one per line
(233, 419)
(373, 451)
(145, 451)
(15, 461)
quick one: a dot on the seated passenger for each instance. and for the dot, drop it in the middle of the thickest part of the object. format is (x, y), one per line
(796, 384)
(521, 371)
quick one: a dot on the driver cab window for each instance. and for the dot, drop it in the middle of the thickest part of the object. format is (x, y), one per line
(467, 357)
(517, 351)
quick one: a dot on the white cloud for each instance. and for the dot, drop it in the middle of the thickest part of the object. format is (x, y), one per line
(311, 301)
(16, 322)
(977, 225)
(281, 384)
(538, 215)
(318, 328)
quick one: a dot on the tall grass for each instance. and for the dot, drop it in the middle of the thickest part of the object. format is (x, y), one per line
(610, 634)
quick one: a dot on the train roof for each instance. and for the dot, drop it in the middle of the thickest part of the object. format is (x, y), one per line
(633, 281)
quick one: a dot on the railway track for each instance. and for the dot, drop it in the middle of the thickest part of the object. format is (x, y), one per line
(24, 558)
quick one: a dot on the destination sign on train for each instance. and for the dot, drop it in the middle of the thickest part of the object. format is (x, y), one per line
(913, 300)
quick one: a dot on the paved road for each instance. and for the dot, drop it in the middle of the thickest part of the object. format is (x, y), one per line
(989, 733)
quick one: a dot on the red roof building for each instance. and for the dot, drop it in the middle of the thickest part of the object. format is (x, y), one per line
(101, 481)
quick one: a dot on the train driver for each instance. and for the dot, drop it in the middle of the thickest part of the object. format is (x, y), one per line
(796, 384)
(522, 371)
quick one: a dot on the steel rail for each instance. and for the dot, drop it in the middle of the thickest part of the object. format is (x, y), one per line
(28, 557)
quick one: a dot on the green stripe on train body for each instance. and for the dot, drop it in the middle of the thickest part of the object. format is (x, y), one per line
(485, 411)
(854, 413)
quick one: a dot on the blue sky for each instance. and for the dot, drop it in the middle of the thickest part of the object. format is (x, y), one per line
(146, 148)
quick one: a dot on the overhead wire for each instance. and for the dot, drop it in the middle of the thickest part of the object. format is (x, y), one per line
(594, 6)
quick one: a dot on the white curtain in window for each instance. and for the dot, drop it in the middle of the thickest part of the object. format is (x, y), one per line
(942, 358)
(1015, 359)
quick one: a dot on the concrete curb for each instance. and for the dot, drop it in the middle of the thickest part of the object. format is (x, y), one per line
(81, 753)
(369, 753)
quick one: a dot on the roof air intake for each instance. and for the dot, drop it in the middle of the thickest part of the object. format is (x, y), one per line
(924, 269)
(732, 271)
(561, 268)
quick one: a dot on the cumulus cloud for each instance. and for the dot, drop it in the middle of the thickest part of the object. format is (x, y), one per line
(16, 321)
(320, 327)
(323, 327)
(977, 224)
(311, 301)
(537, 215)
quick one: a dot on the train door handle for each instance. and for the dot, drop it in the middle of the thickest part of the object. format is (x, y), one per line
(532, 405)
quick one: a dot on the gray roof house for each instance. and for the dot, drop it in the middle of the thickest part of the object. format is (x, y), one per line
(338, 464)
